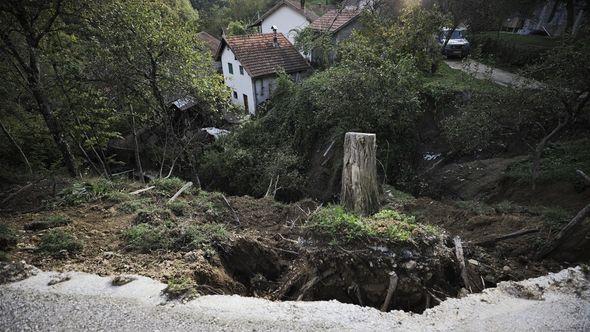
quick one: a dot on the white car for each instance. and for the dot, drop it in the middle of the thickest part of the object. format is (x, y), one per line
(458, 45)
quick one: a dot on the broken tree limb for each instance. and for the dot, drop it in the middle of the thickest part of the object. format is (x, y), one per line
(14, 194)
(311, 283)
(360, 190)
(232, 210)
(180, 191)
(564, 233)
(583, 175)
(513, 235)
(137, 192)
(393, 279)
(461, 262)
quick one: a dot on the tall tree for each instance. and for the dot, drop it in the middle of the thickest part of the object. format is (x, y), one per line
(26, 26)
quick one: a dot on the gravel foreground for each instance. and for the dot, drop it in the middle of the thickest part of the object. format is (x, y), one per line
(50, 301)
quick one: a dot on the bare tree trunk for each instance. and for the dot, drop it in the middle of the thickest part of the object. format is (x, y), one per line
(360, 191)
(15, 143)
(137, 156)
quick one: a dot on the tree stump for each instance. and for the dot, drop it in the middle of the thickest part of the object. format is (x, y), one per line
(360, 191)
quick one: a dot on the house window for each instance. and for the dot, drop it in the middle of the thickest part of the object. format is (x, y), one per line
(235, 95)
(230, 68)
(241, 70)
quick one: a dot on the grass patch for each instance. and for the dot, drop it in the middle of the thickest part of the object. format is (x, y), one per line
(7, 237)
(135, 205)
(90, 190)
(182, 287)
(146, 237)
(169, 186)
(56, 242)
(339, 225)
(453, 80)
(179, 208)
(51, 222)
(153, 216)
(475, 207)
(4, 257)
(559, 163)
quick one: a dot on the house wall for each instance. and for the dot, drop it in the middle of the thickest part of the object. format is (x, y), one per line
(287, 20)
(241, 84)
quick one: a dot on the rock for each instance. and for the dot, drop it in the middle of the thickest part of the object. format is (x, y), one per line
(506, 269)
(406, 255)
(193, 256)
(58, 279)
(410, 265)
(121, 280)
(462, 293)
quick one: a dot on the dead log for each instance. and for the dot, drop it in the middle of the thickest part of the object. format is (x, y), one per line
(461, 262)
(137, 192)
(513, 235)
(311, 283)
(564, 233)
(180, 191)
(393, 279)
(360, 190)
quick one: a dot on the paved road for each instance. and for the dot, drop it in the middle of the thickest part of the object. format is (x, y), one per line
(89, 302)
(498, 76)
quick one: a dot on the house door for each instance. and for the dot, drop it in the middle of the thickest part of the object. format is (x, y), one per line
(246, 104)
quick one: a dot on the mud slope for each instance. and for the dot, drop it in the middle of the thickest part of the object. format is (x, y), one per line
(556, 302)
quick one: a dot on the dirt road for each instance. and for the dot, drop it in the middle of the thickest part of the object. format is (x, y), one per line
(88, 302)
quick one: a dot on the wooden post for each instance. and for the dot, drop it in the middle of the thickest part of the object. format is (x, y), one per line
(360, 191)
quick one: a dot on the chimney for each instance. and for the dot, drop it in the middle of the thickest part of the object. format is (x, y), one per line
(275, 39)
(302, 4)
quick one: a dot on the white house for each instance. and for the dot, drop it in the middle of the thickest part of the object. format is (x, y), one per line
(288, 16)
(251, 62)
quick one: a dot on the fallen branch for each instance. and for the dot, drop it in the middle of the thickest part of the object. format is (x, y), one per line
(393, 279)
(513, 235)
(179, 192)
(309, 285)
(137, 192)
(583, 175)
(232, 210)
(565, 231)
(21, 189)
(461, 261)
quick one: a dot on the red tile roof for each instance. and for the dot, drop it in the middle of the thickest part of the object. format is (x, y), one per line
(211, 42)
(295, 4)
(260, 57)
(334, 20)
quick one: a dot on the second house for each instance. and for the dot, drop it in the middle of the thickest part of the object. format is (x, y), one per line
(251, 64)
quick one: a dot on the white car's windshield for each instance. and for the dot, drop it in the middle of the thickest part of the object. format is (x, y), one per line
(457, 34)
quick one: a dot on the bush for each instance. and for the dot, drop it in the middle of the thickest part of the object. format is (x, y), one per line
(335, 223)
(55, 242)
(507, 52)
(558, 163)
(50, 222)
(7, 238)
